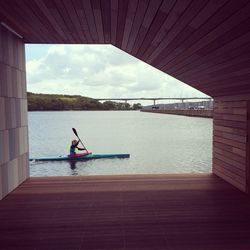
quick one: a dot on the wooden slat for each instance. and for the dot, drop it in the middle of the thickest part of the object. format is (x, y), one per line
(248, 149)
(233, 111)
(241, 89)
(177, 10)
(211, 82)
(230, 65)
(230, 130)
(132, 6)
(45, 15)
(197, 23)
(66, 19)
(230, 136)
(90, 19)
(234, 163)
(239, 50)
(231, 155)
(230, 141)
(230, 117)
(229, 178)
(231, 124)
(209, 9)
(106, 17)
(210, 31)
(96, 6)
(235, 151)
(231, 77)
(229, 104)
(146, 23)
(228, 53)
(156, 25)
(38, 19)
(114, 17)
(58, 19)
(234, 98)
(180, 32)
(138, 19)
(220, 165)
(83, 20)
(223, 80)
(121, 19)
(126, 212)
(20, 25)
(203, 43)
(75, 22)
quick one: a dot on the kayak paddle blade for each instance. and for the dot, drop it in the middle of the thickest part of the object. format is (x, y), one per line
(74, 130)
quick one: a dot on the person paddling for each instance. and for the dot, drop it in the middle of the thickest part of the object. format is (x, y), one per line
(74, 146)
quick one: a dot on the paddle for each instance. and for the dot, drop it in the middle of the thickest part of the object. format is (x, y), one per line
(74, 130)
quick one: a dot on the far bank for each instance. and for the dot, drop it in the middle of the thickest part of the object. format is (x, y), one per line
(187, 112)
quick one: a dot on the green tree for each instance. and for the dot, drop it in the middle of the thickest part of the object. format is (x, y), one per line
(137, 106)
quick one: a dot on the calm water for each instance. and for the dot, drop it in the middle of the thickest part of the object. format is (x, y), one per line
(157, 143)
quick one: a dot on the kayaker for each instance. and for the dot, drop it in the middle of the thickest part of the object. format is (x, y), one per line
(74, 146)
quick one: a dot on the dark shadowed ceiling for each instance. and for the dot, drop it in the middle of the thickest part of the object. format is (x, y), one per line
(204, 43)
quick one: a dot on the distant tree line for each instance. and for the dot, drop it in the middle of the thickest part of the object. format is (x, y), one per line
(38, 102)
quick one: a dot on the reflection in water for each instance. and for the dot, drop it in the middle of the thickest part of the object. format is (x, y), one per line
(73, 167)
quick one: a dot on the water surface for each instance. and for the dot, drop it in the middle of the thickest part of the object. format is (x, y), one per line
(157, 143)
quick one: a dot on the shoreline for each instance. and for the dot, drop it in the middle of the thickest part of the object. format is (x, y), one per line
(76, 110)
(185, 112)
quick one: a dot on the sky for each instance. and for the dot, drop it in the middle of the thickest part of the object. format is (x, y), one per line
(97, 71)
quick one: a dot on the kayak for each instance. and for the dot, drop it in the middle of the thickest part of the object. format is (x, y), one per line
(81, 157)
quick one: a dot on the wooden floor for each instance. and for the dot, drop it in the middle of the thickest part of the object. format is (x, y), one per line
(131, 212)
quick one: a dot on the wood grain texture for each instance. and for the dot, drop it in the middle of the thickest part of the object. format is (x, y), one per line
(202, 43)
(13, 148)
(248, 149)
(230, 146)
(125, 212)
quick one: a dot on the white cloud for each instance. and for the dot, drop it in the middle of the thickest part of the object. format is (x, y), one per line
(99, 71)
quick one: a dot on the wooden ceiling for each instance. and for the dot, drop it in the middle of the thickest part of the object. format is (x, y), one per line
(204, 43)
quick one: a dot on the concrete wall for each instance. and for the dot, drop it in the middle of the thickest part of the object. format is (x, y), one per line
(13, 113)
(230, 140)
(187, 112)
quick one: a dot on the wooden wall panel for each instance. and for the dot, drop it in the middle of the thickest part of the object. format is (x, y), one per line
(132, 7)
(208, 32)
(152, 9)
(96, 6)
(121, 20)
(137, 22)
(157, 44)
(106, 17)
(230, 144)
(83, 20)
(155, 26)
(114, 17)
(75, 21)
(180, 32)
(248, 149)
(90, 19)
(13, 114)
(202, 43)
